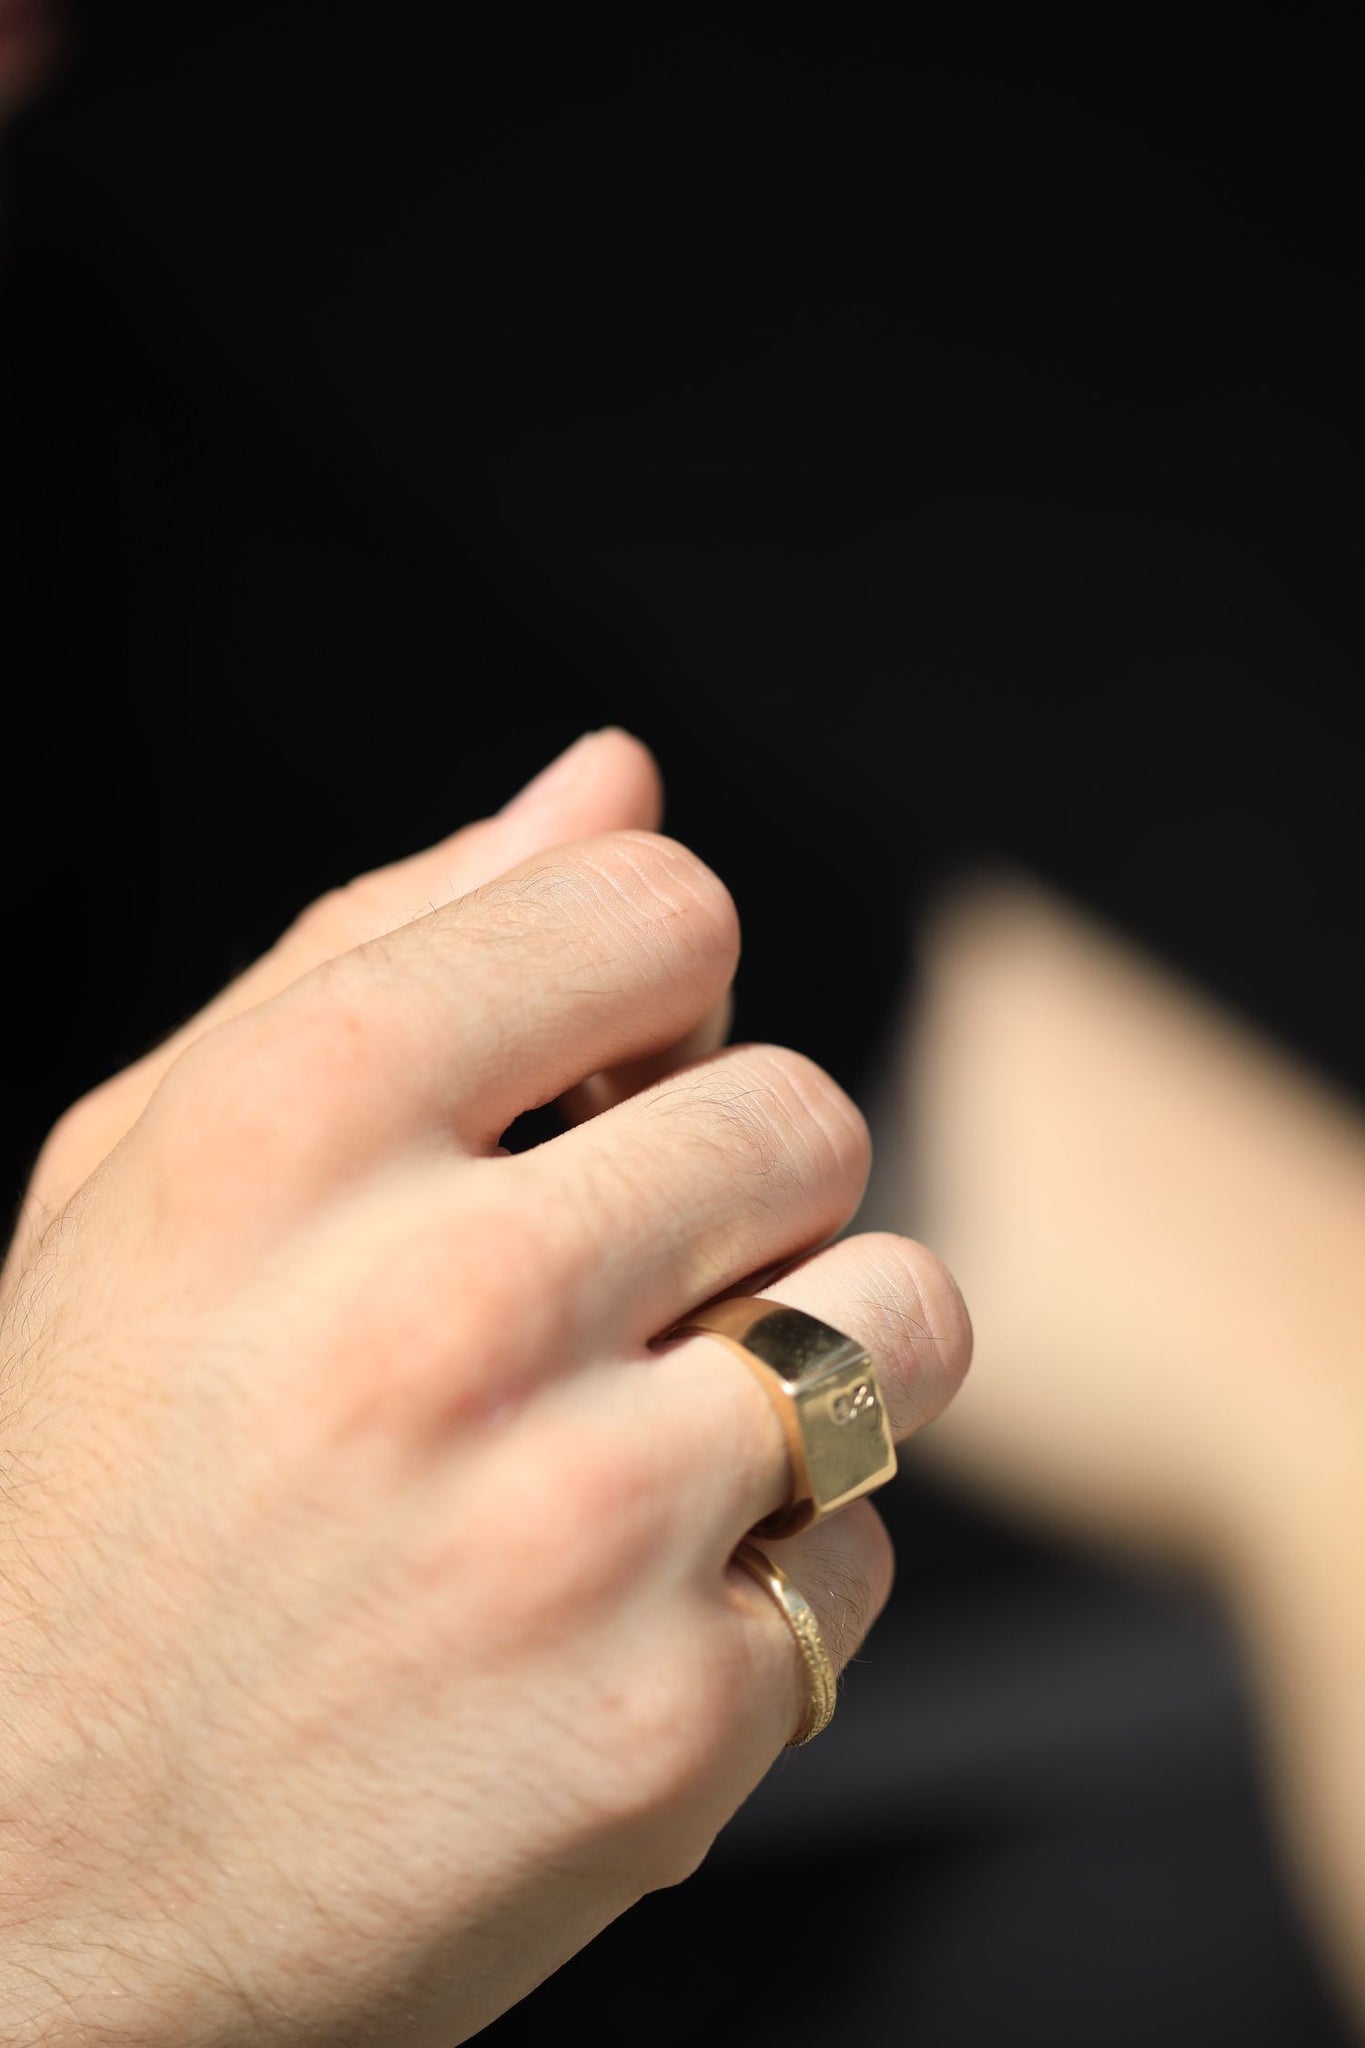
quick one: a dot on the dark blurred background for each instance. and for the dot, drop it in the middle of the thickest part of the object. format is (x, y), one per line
(935, 443)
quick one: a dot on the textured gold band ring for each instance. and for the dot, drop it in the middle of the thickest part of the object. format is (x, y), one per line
(824, 1388)
(800, 1618)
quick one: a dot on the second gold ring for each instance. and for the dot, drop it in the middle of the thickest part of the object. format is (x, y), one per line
(821, 1678)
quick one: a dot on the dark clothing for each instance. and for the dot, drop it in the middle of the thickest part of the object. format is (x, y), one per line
(932, 453)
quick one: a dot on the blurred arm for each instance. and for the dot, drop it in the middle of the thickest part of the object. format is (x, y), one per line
(1158, 1223)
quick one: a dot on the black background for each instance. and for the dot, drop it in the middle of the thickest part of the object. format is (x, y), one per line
(937, 446)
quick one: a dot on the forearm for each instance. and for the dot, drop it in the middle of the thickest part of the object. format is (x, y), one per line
(1158, 1221)
(1297, 1597)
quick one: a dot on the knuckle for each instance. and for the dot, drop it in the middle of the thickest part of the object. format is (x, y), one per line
(848, 1586)
(78, 1132)
(771, 1123)
(471, 1303)
(257, 1090)
(801, 1111)
(912, 1310)
(604, 1519)
(342, 917)
(672, 1732)
(317, 928)
(624, 885)
(648, 872)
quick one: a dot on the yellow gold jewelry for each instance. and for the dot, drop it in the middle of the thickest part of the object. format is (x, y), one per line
(800, 1618)
(824, 1388)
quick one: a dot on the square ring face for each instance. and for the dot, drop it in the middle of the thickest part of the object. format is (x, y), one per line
(839, 1416)
(825, 1389)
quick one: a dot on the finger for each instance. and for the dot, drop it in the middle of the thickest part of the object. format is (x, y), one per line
(555, 1263)
(682, 1438)
(735, 1163)
(618, 1084)
(451, 1027)
(673, 1454)
(701, 1433)
(843, 1570)
(705, 1447)
(606, 781)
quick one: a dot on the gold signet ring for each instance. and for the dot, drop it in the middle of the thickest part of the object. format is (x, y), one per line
(824, 1388)
(800, 1618)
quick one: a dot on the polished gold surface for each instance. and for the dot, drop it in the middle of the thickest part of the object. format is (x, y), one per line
(821, 1680)
(824, 1388)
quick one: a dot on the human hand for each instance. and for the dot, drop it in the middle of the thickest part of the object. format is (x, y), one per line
(368, 1625)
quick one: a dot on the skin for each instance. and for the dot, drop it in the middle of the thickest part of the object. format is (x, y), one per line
(1157, 1216)
(367, 1627)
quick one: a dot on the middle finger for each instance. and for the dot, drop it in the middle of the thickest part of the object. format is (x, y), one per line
(735, 1164)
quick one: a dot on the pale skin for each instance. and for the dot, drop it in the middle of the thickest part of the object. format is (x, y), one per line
(1158, 1218)
(368, 1633)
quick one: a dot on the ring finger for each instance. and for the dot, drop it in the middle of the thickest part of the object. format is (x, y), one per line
(710, 1431)
(899, 1302)
(729, 1167)
(672, 1455)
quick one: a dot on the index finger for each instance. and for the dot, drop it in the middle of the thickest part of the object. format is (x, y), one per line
(586, 957)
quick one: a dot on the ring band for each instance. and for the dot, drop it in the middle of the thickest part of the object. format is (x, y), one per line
(824, 1388)
(800, 1618)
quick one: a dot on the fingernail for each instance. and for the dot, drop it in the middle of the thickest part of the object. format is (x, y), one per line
(561, 771)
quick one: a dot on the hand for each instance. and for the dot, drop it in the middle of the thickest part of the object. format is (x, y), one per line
(368, 1627)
